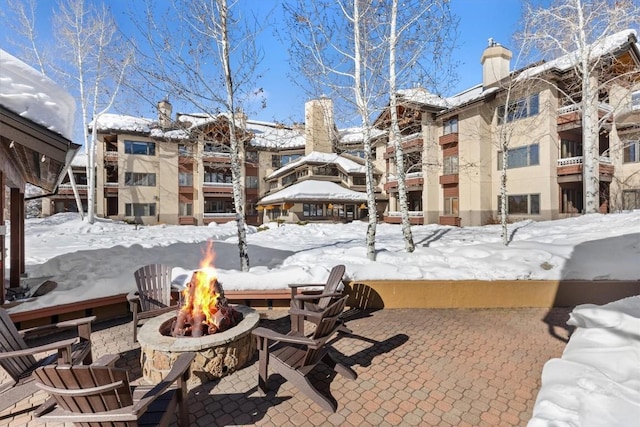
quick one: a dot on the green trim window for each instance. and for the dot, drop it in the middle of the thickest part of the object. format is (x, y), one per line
(136, 179)
(523, 204)
(520, 109)
(140, 148)
(520, 157)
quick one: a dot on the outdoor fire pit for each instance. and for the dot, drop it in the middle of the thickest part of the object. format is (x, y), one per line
(219, 333)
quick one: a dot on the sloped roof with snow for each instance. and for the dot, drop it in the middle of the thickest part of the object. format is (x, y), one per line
(347, 165)
(355, 135)
(34, 96)
(310, 190)
(273, 135)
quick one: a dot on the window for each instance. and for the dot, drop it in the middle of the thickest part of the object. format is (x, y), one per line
(450, 166)
(218, 206)
(450, 126)
(570, 149)
(356, 153)
(184, 150)
(251, 181)
(359, 180)
(312, 209)
(524, 204)
(140, 209)
(631, 199)
(210, 147)
(276, 213)
(275, 161)
(185, 179)
(140, 179)
(289, 179)
(302, 173)
(273, 185)
(140, 147)
(218, 177)
(520, 157)
(327, 170)
(185, 209)
(251, 157)
(519, 109)
(632, 152)
(288, 158)
(635, 100)
(451, 206)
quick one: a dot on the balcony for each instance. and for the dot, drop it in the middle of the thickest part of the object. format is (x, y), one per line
(449, 138)
(67, 189)
(209, 187)
(216, 158)
(452, 178)
(415, 217)
(570, 169)
(218, 217)
(570, 116)
(414, 181)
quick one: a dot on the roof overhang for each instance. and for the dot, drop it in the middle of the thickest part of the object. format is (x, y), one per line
(33, 154)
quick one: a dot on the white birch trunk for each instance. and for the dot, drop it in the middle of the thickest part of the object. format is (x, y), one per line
(76, 195)
(236, 173)
(395, 134)
(364, 114)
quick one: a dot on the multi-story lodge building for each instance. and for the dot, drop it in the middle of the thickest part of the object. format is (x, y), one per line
(178, 171)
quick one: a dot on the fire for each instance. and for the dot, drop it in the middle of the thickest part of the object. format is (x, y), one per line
(200, 298)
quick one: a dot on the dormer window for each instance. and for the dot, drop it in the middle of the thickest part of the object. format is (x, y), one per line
(635, 100)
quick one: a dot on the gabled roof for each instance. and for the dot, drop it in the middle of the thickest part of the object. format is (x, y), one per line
(355, 135)
(347, 165)
(273, 135)
(311, 190)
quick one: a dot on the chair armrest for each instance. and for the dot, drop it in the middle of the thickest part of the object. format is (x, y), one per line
(179, 368)
(66, 324)
(316, 296)
(58, 345)
(106, 360)
(292, 339)
(304, 285)
(133, 296)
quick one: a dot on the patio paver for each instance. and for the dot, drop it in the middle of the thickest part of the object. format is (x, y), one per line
(441, 367)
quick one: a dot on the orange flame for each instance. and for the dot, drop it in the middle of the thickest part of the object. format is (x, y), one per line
(200, 298)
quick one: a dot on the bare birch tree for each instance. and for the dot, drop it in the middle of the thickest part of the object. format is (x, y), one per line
(88, 39)
(210, 64)
(337, 46)
(578, 28)
(419, 29)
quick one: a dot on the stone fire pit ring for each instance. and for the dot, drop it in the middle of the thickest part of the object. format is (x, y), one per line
(216, 355)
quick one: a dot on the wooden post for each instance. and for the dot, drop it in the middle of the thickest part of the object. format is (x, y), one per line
(16, 200)
(2, 234)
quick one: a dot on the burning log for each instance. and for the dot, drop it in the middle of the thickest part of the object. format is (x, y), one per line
(205, 310)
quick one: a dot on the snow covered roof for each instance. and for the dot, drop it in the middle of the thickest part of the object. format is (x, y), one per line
(422, 96)
(124, 123)
(314, 190)
(80, 160)
(347, 165)
(272, 135)
(32, 95)
(599, 48)
(355, 135)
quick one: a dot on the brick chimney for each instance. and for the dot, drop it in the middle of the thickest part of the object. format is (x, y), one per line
(496, 61)
(164, 114)
(318, 118)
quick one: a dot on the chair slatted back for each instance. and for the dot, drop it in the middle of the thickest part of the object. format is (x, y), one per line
(10, 340)
(326, 327)
(154, 286)
(68, 386)
(334, 280)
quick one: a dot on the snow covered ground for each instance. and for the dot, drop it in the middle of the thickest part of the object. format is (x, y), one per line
(595, 383)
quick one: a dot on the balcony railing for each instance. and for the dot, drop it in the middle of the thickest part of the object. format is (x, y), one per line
(569, 161)
(411, 213)
(577, 107)
(217, 184)
(69, 187)
(219, 214)
(110, 154)
(111, 184)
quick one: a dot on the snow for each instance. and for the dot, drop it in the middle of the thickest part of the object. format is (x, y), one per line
(309, 190)
(596, 382)
(30, 94)
(347, 165)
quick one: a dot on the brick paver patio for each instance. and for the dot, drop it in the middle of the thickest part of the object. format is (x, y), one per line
(441, 367)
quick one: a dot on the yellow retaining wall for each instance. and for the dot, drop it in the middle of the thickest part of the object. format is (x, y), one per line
(485, 294)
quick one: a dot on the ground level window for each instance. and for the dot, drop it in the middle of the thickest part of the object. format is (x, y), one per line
(312, 209)
(451, 206)
(276, 213)
(185, 209)
(524, 204)
(139, 209)
(631, 199)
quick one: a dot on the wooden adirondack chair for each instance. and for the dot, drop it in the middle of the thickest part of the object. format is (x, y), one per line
(316, 301)
(153, 296)
(19, 361)
(294, 356)
(102, 396)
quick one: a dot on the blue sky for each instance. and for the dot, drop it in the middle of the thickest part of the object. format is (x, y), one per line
(479, 20)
